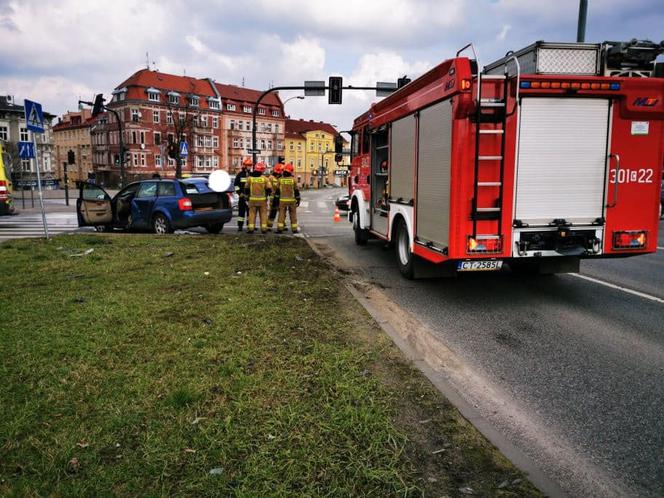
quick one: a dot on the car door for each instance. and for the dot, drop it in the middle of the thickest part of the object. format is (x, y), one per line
(93, 206)
(141, 206)
(122, 201)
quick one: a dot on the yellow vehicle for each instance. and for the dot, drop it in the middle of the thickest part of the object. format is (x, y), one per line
(6, 203)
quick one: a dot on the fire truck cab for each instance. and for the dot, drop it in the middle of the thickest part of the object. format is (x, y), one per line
(547, 156)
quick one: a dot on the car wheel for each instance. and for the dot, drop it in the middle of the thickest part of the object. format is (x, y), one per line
(102, 228)
(215, 227)
(160, 225)
(405, 256)
(361, 234)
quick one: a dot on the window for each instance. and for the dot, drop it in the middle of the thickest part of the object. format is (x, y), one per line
(171, 162)
(142, 159)
(157, 138)
(147, 189)
(153, 96)
(157, 162)
(276, 128)
(199, 161)
(248, 123)
(299, 146)
(230, 107)
(4, 133)
(181, 118)
(269, 145)
(93, 193)
(311, 147)
(25, 136)
(155, 116)
(240, 125)
(214, 104)
(193, 100)
(261, 111)
(291, 146)
(215, 141)
(135, 115)
(135, 159)
(236, 143)
(269, 127)
(25, 164)
(133, 137)
(280, 145)
(208, 141)
(231, 124)
(215, 162)
(173, 98)
(169, 118)
(275, 114)
(142, 137)
(263, 144)
(215, 122)
(246, 108)
(204, 121)
(166, 188)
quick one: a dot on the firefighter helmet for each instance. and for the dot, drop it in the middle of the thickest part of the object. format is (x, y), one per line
(289, 168)
(278, 169)
(260, 167)
(247, 162)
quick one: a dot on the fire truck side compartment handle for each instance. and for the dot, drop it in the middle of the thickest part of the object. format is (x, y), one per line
(615, 188)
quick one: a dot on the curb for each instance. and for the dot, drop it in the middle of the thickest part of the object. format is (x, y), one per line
(421, 347)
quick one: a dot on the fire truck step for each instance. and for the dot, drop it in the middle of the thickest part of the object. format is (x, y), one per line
(486, 236)
(492, 132)
(493, 76)
(489, 184)
(488, 210)
(490, 158)
(491, 103)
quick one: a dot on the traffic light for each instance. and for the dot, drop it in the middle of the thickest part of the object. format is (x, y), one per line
(71, 157)
(403, 81)
(98, 106)
(338, 158)
(172, 149)
(281, 159)
(334, 93)
(338, 144)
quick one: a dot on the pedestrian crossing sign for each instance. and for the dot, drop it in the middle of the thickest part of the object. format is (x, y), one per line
(34, 117)
(184, 149)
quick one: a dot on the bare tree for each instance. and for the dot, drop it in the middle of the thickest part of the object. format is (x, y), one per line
(185, 116)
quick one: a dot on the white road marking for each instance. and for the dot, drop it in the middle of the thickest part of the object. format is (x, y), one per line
(321, 204)
(618, 287)
(304, 204)
(660, 248)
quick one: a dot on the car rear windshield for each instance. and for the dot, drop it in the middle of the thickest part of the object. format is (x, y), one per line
(190, 188)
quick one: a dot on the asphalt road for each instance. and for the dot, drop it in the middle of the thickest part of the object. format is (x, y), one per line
(569, 368)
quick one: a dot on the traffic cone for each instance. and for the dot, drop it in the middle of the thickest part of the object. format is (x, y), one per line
(337, 215)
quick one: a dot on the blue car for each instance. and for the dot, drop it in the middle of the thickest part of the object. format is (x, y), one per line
(160, 206)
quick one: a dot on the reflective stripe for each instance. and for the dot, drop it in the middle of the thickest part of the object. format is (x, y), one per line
(257, 199)
(241, 218)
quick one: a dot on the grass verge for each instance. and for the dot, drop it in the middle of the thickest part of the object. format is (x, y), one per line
(207, 366)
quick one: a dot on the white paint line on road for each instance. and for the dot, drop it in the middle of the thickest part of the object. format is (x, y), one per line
(618, 287)
(660, 248)
(321, 204)
(304, 204)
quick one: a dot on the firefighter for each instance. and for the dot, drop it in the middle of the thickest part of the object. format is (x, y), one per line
(289, 199)
(257, 190)
(240, 184)
(274, 200)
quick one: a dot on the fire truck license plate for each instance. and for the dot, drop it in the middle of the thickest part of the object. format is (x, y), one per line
(480, 265)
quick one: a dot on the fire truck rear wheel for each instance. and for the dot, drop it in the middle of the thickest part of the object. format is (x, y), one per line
(361, 234)
(405, 257)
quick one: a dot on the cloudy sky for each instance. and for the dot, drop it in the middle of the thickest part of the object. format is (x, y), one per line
(55, 51)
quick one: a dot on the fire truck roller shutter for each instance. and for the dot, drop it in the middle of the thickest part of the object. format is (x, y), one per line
(433, 174)
(402, 169)
(562, 160)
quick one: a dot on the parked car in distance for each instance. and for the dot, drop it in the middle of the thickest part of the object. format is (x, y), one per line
(161, 206)
(342, 202)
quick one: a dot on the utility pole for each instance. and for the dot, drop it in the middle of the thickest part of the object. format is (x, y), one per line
(581, 27)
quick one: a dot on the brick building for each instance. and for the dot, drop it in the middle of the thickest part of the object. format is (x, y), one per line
(155, 107)
(72, 132)
(238, 104)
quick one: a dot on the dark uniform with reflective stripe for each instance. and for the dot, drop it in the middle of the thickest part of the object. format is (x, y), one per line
(242, 208)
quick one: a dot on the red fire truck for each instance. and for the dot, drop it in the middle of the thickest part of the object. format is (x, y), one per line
(547, 156)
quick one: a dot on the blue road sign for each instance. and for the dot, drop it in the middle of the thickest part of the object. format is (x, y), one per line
(184, 149)
(26, 150)
(34, 117)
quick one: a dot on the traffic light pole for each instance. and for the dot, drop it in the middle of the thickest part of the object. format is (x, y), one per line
(121, 139)
(254, 114)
